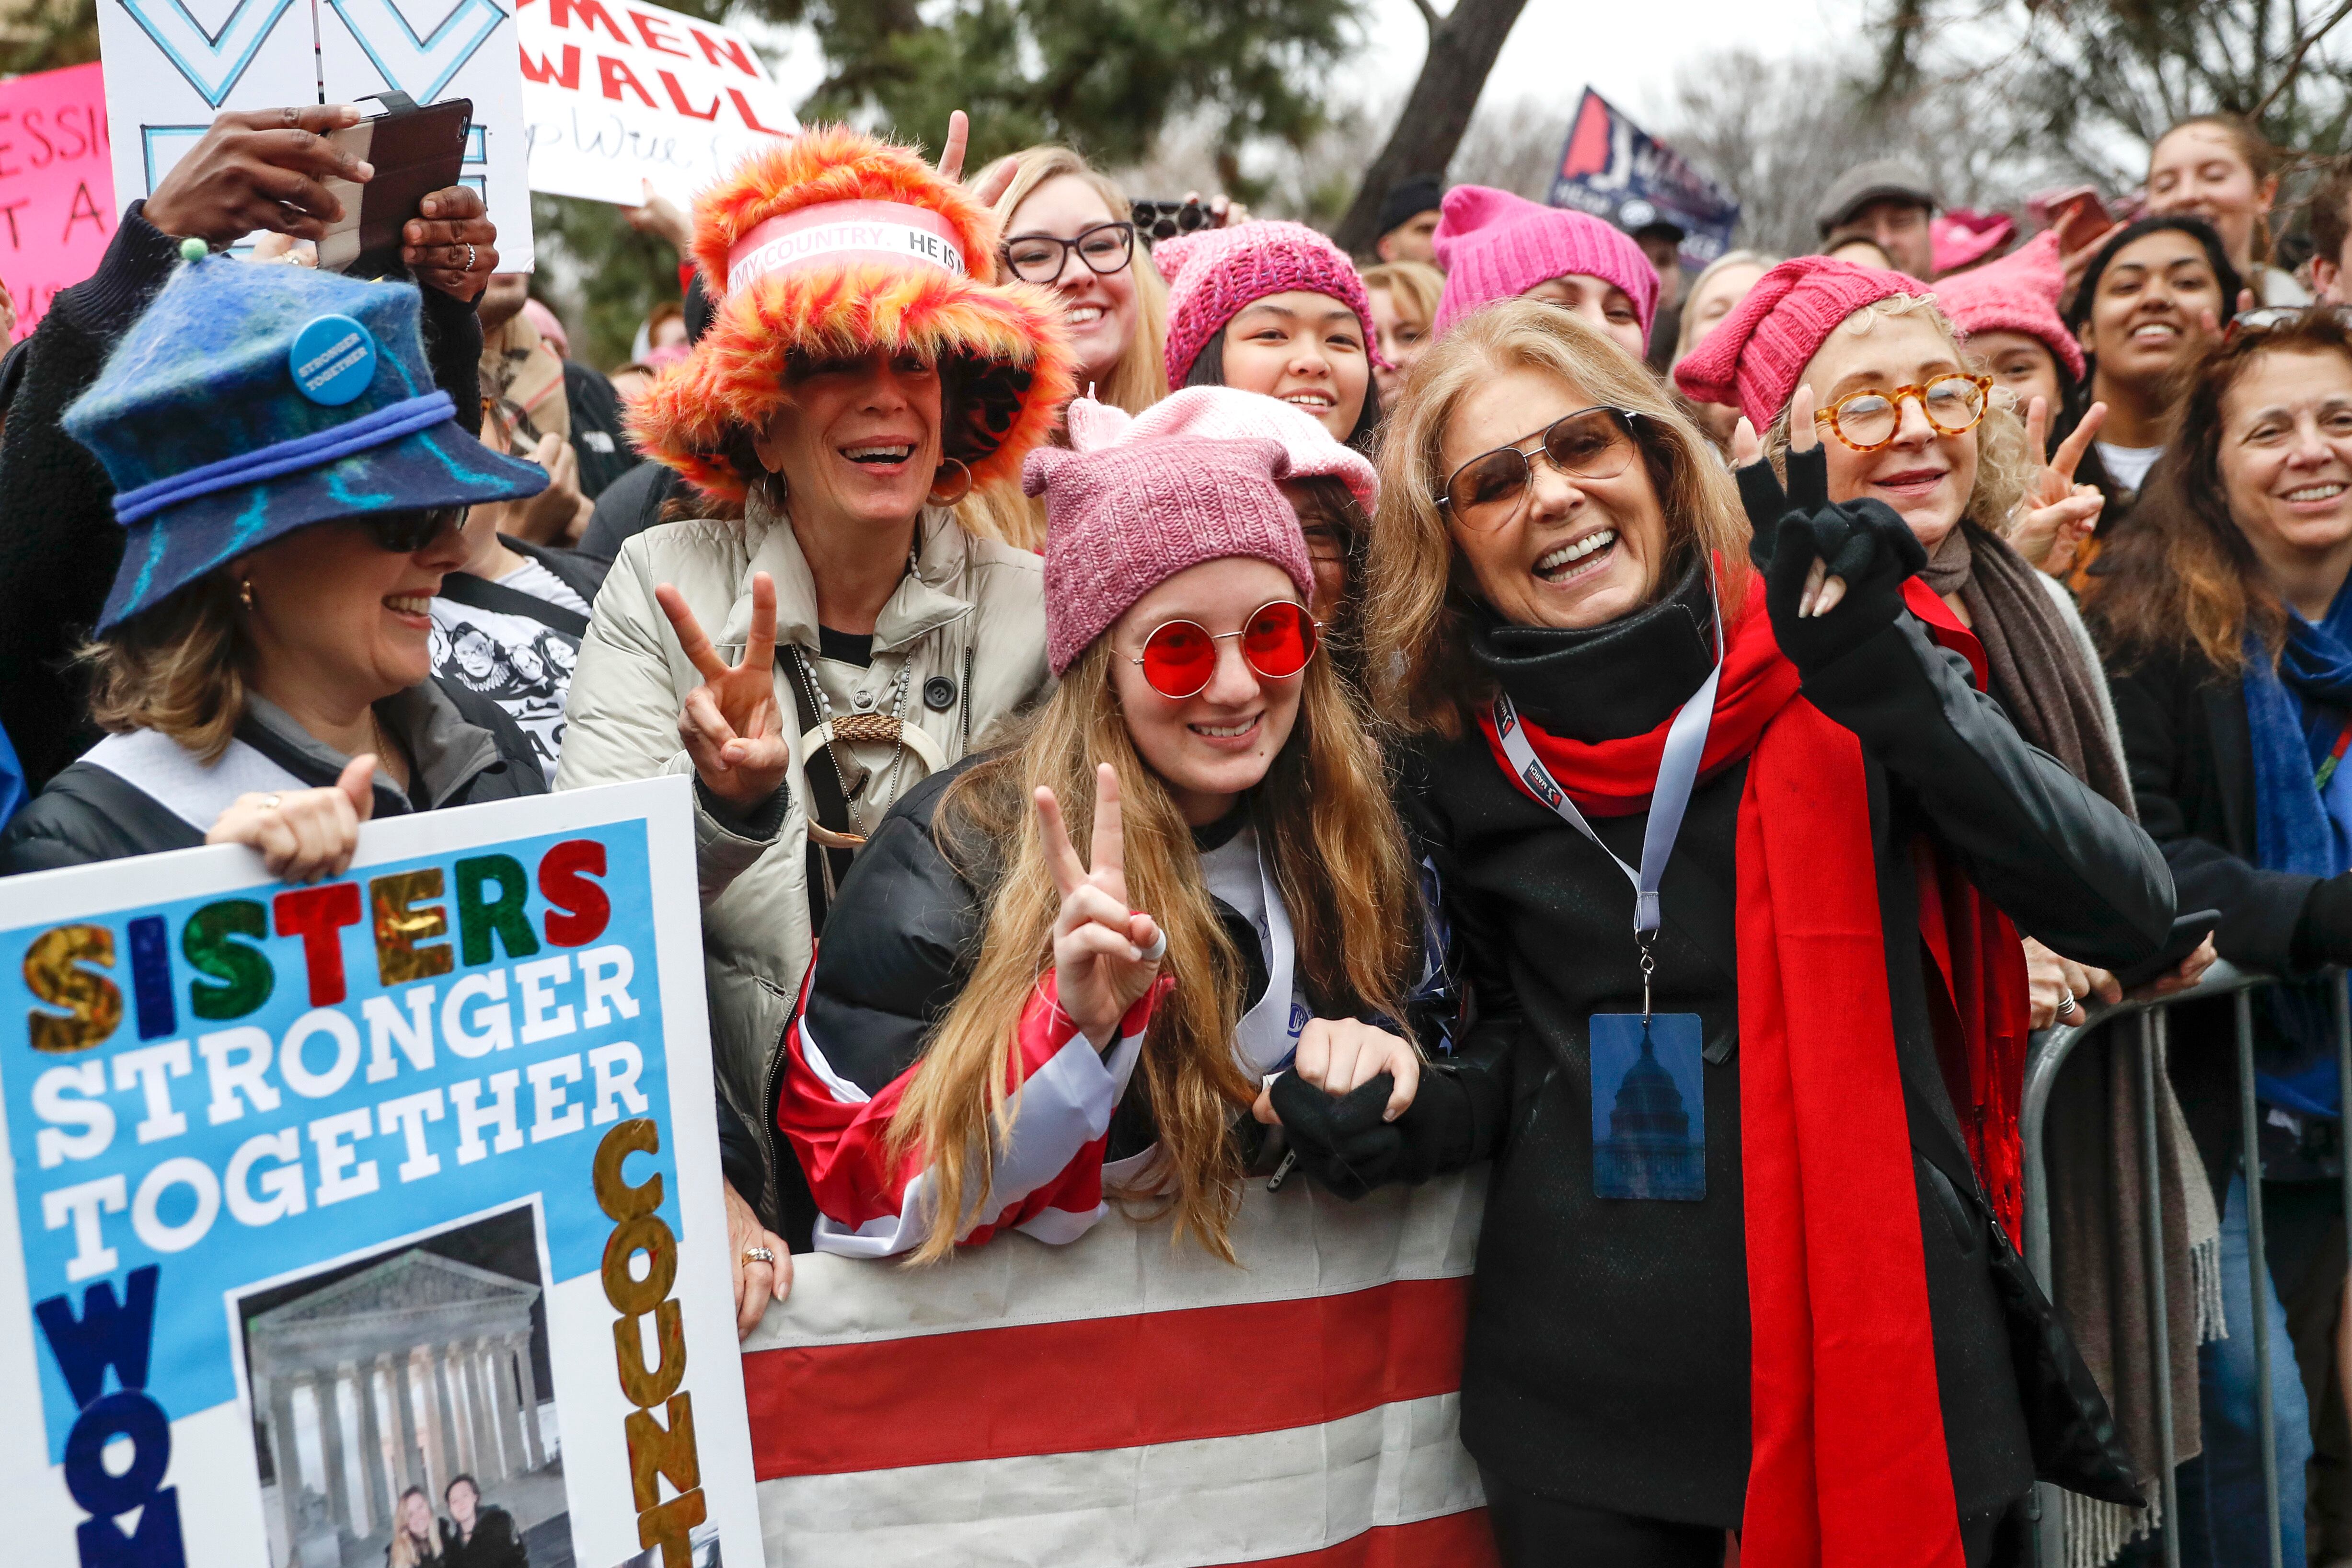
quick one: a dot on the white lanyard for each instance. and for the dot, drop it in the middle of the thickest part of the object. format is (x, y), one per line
(1677, 772)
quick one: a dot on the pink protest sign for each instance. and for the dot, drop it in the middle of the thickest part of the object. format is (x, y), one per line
(56, 185)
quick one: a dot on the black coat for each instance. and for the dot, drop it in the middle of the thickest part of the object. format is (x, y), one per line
(59, 543)
(1607, 1361)
(86, 814)
(496, 1542)
(2192, 772)
(629, 506)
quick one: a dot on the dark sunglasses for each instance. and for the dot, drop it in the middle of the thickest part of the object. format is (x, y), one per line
(1589, 444)
(1179, 657)
(2263, 317)
(407, 532)
(1039, 258)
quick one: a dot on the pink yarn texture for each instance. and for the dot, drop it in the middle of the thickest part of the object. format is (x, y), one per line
(1123, 519)
(1753, 359)
(1215, 274)
(1495, 246)
(1227, 414)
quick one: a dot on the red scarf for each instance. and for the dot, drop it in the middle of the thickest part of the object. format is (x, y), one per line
(1848, 1466)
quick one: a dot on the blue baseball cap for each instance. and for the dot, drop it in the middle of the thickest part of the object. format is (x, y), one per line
(252, 399)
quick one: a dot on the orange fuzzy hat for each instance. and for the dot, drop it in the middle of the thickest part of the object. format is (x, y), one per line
(837, 243)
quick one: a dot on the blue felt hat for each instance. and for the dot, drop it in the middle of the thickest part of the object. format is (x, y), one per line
(253, 399)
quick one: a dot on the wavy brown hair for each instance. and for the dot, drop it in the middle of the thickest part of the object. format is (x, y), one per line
(1326, 826)
(179, 667)
(1419, 593)
(2179, 574)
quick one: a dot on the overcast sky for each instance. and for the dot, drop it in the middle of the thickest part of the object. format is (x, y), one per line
(1630, 51)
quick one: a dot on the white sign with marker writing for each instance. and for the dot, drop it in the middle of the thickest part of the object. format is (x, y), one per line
(616, 93)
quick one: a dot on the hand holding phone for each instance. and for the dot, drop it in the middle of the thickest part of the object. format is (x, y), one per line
(414, 152)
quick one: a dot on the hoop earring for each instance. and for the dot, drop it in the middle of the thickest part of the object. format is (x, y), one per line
(963, 487)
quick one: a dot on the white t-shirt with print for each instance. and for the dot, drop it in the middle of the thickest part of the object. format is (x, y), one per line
(523, 665)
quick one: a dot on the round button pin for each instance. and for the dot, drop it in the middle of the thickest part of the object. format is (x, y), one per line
(332, 360)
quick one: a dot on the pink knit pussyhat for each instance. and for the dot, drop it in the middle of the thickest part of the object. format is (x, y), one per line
(1229, 413)
(1123, 519)
(1215, 274)
(2009, 296)
(1752, 361)
(1495, 246)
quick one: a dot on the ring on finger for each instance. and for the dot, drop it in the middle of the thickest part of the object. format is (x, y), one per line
(272, 801)
(469, 260)
(2067, 1004)
(758, 1255)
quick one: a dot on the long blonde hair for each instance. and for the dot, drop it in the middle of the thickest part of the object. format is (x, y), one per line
(1326, 826)
(2004, 469)
(1419, 591)
(1001, 511)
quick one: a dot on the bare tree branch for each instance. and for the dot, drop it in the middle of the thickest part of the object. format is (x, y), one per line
(1429, 15)
(2294, 61)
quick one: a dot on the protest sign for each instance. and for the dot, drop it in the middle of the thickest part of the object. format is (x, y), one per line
(169, 73)
(617, 92)
(57, 189)
(1621, 174)
(317, 1194)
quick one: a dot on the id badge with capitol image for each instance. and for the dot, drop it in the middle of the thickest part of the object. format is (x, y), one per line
(1649, 1106)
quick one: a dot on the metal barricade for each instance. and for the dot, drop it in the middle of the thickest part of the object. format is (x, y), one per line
(2048, 1054)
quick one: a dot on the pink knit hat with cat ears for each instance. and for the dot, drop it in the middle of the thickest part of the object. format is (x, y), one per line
(1495, 246)
(1215, 274)
(1123, 519)
(2018, 294)
(1752, 360)
(1229, 413)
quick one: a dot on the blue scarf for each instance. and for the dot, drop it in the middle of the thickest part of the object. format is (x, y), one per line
(2294, 714)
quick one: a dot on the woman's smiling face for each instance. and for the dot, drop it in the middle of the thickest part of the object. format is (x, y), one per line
(1099, 308)
(1563, 551)
(1923, 474)
(2148, 315)
(1307, 350)
(2287, 456)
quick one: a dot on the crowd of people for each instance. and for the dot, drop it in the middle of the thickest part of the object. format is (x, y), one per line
(1666, 740)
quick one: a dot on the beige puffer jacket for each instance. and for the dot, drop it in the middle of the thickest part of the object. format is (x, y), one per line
(968, 627)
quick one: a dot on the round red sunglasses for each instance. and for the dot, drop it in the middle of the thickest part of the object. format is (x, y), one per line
(1179, 657)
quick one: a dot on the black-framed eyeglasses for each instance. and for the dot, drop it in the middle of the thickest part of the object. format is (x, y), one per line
(1594, 444)
(1105, 248)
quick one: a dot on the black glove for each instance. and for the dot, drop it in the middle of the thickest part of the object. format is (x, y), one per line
(2322, 933)
(1341, 1141)
(1865, 542)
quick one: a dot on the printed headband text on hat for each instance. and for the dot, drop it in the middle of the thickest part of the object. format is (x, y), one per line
(893, 232)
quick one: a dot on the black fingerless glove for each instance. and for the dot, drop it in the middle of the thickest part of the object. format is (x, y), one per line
(1340, 1140)
(1865, 541)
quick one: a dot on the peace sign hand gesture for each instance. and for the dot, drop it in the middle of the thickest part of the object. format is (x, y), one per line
(730, 724)
(1106, 955)
(2056, 514)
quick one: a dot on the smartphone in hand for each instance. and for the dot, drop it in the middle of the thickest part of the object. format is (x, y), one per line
(415, 151)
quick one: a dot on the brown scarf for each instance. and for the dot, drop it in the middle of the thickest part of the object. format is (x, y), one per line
(2096, 1168)
(2039, 672)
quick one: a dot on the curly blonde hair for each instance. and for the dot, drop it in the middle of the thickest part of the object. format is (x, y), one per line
(2004, 469)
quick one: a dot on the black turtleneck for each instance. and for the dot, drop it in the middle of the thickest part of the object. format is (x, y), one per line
(1604, 683)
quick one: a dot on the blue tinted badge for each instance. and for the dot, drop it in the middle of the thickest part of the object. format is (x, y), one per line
(1649, 1107)
(332, 360)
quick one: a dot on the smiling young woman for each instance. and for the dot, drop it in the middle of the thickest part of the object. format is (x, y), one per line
(834, 413)
(2219, 167)
(1241, 839)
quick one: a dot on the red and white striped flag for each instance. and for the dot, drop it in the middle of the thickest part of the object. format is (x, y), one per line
(1121, 1401)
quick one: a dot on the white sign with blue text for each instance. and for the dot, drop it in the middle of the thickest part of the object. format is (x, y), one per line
(172, 65)
(385, 1204)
